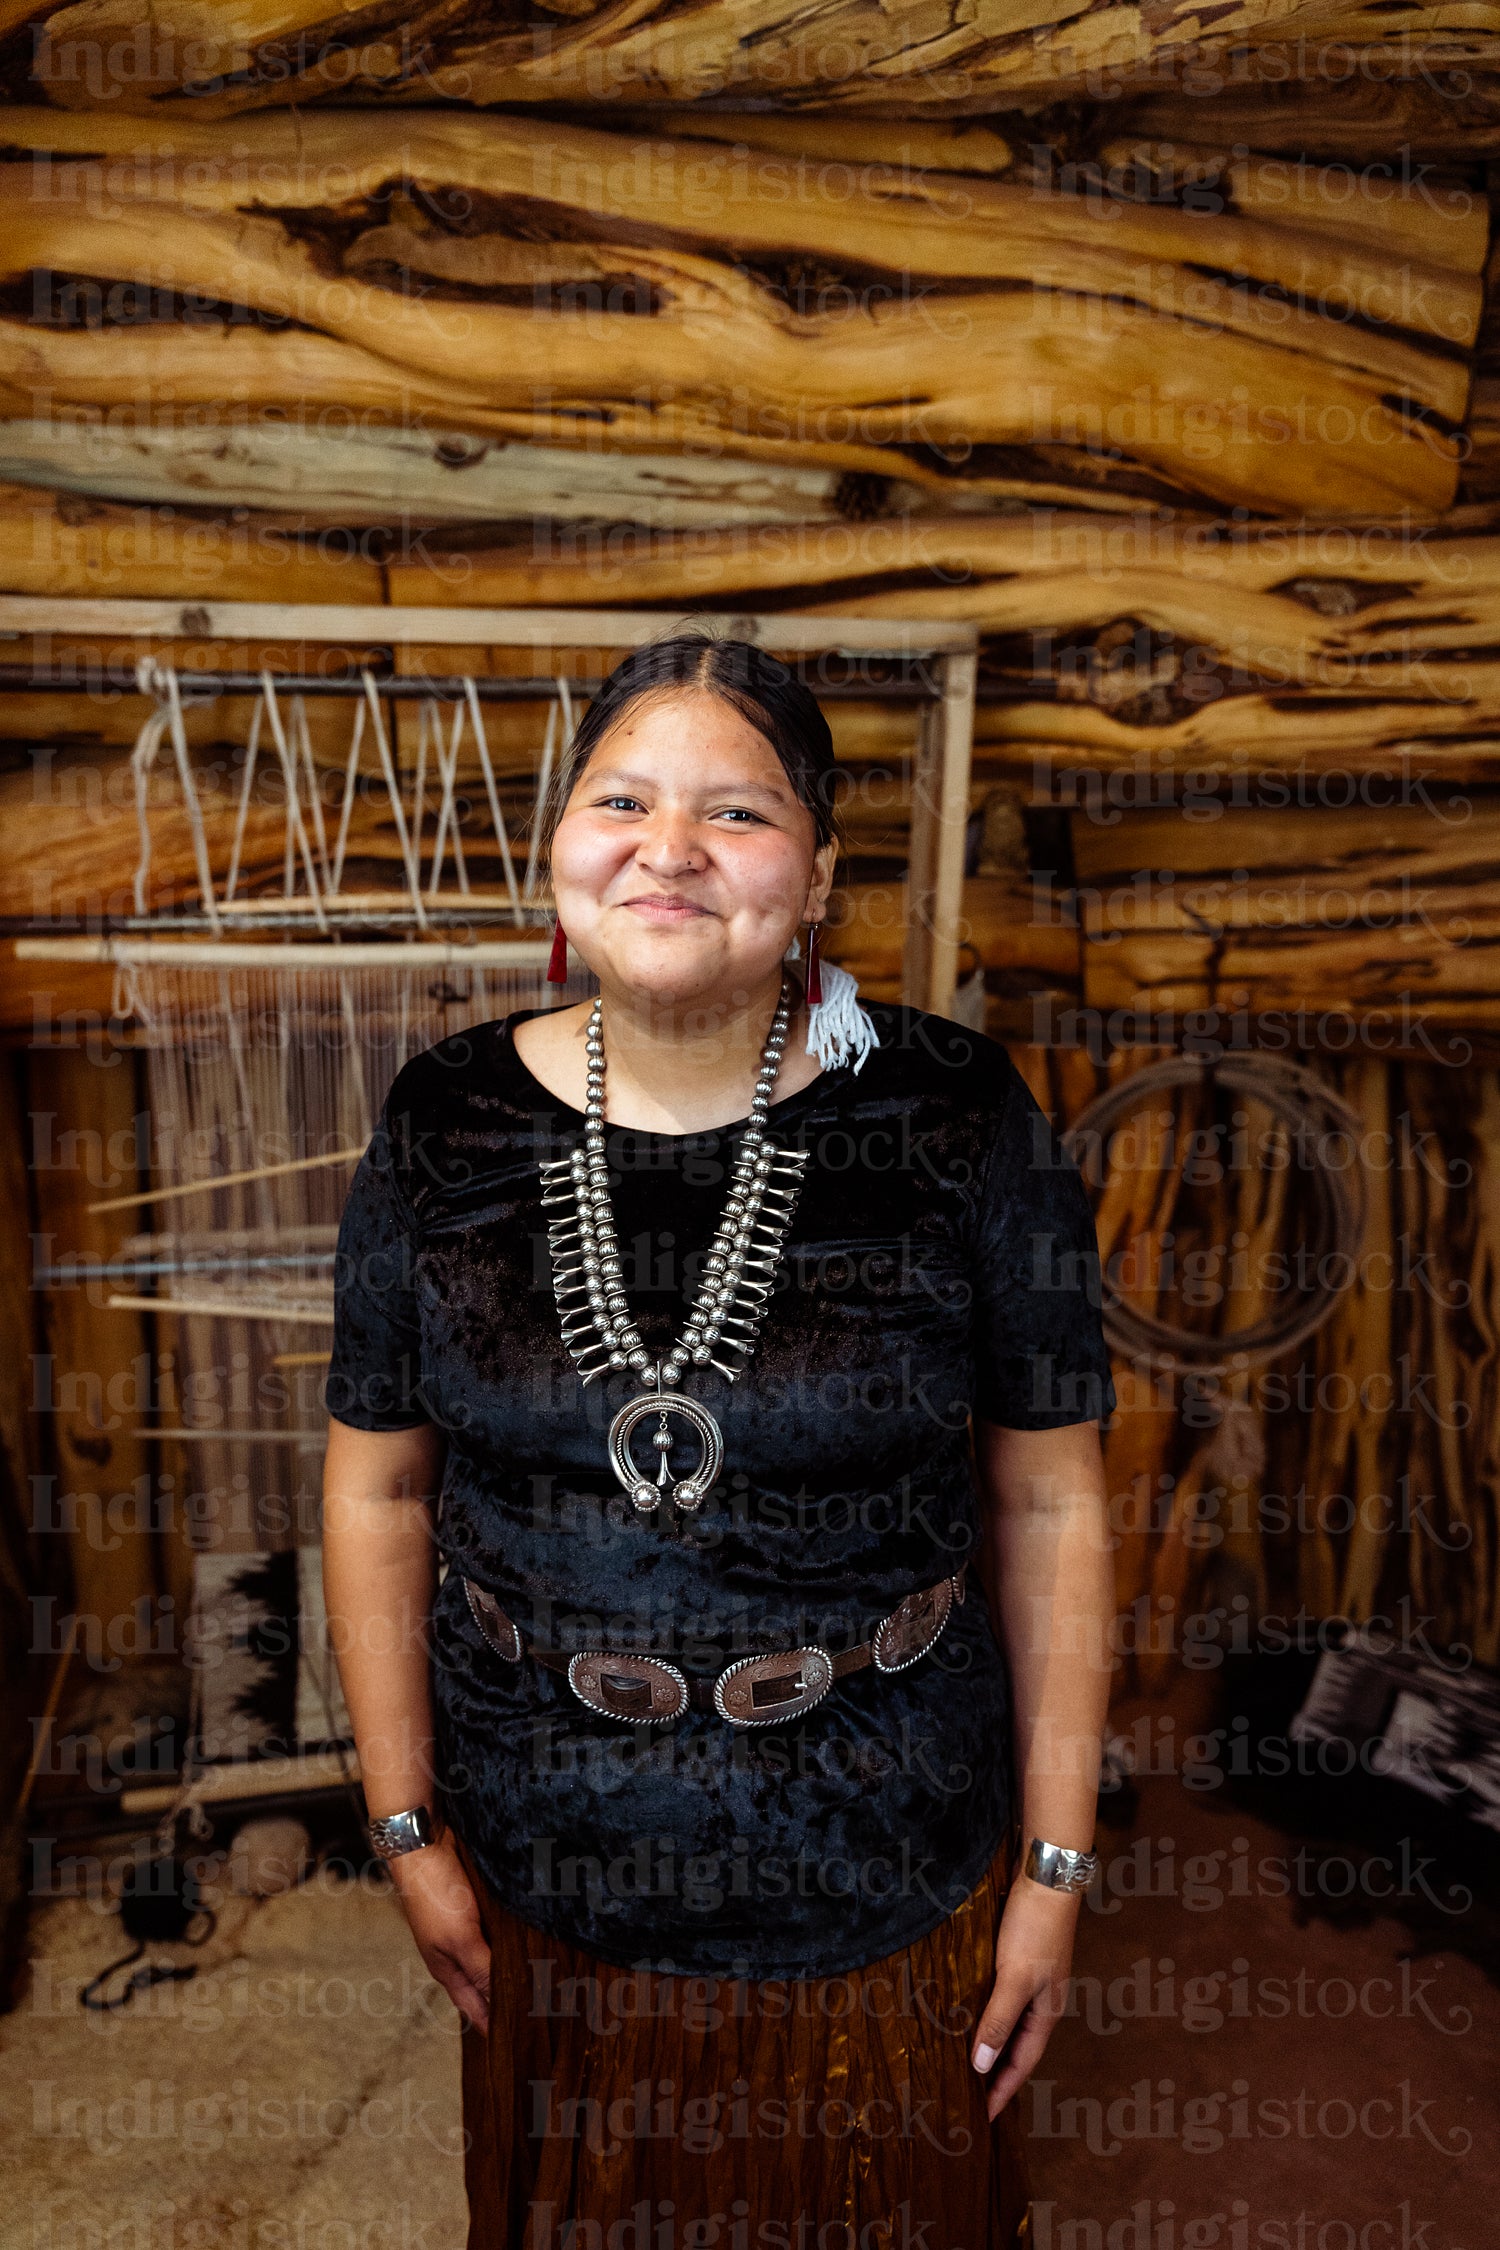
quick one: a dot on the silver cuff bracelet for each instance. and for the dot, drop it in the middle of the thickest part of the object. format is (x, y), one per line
(393, 1834)
(1058, 1869)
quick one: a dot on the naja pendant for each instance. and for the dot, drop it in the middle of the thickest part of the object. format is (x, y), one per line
(646, 1493)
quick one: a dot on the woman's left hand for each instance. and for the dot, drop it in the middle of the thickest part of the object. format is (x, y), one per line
(1033, 1954)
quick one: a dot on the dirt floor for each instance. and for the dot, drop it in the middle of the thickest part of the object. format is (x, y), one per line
(301, 2093)
(1233, 2074)
(1240, 2069)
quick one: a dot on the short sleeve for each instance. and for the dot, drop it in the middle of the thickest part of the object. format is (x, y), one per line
(1041, 1361)
(375, 1369)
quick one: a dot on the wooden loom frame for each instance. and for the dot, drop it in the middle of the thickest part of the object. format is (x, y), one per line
(940, 765)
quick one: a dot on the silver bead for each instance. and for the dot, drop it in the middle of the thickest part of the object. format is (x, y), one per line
(671, 1373)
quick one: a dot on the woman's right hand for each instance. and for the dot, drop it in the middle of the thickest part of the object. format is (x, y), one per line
(438, 1901)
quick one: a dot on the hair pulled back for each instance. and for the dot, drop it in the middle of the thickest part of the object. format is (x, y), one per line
(765, 691)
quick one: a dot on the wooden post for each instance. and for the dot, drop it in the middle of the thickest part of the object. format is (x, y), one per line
(939, 825)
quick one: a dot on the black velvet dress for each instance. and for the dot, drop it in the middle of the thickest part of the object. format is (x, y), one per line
(940, 1264)
(941, 1261)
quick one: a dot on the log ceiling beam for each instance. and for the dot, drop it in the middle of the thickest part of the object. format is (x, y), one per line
(853, 54)
(518, 277)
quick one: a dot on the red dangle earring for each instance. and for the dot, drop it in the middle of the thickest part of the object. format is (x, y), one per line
(814, 967)
(557, 967)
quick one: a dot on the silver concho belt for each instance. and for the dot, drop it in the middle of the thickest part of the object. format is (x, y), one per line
(754, 1691)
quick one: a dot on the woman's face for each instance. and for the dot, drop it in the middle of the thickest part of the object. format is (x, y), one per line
(684, 862)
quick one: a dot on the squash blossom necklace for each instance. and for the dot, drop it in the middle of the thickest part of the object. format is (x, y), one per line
(728, 1305)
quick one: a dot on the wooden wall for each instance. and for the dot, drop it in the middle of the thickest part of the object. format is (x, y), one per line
(1173, 371)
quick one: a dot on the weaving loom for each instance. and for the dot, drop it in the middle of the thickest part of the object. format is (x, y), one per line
(402, 901)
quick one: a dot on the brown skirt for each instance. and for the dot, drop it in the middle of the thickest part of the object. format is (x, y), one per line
(610, 2109)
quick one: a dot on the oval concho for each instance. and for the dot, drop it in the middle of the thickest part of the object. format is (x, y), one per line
(761, 1691)
(619, 1686)
(503, 1636)
(912, 1627)
(688, 1492)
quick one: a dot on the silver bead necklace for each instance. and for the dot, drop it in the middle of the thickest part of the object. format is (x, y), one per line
(728, 1304)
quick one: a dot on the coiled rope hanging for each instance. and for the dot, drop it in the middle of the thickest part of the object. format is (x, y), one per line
(1314, 1116)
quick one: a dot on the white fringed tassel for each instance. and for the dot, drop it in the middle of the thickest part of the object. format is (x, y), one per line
(839, 1030)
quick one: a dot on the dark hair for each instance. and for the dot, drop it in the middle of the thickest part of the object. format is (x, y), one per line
(763, 689)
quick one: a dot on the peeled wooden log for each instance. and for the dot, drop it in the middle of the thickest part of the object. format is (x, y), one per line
(416, 478)
(1241, 614)
(1384, 913)
(754, 201)
(218, 378)
(1391, 206)
(1117, 643)
(1077, 368)
(1290, 868)
(1393, 122)
(1033, 568)
(1109, 644)
(906, 330)
(1321, 754)
(855, 53)
(1404, 998)
(221, 386)
(1008, 919)
(909, 145)
(58, 543)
